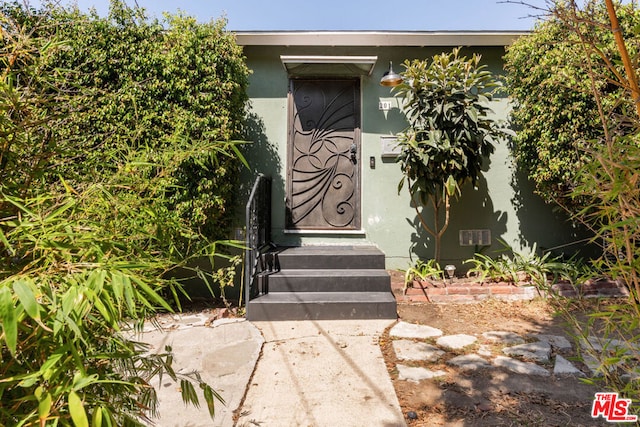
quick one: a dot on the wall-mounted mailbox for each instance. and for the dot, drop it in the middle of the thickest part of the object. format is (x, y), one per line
(389, 146)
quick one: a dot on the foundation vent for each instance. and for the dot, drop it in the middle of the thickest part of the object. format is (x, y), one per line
(475, 237)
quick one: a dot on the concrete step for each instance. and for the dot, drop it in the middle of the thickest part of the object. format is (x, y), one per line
(322, 306)
(366, 280)
(330, 257)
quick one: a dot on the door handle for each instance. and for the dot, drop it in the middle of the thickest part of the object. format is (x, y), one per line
(353, 150)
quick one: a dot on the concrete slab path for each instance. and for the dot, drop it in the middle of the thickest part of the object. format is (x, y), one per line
(316, 373)
(321, 373)
(225, 353)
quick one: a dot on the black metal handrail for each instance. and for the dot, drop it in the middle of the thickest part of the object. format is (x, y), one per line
(258, 233)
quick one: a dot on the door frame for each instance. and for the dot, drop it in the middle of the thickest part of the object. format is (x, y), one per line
(358, 230)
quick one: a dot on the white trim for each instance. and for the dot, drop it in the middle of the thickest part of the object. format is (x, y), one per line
(361, 64)
(319, 59)
(377, 38)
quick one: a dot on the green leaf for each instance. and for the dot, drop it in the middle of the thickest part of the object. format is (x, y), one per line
(96, 419)
(106, 310)
(128, 292)
(29, 381)
(188, 392)
(210, 396)
(152, 294)
(240, 156)
(53, 361)
(44, 403)
(76, 409)
(96, 280)
(451, 186)
(9, 320)
(5, 242)
(27, 299)
(80, 381)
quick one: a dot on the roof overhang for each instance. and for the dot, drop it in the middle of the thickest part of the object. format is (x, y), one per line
(307, 65)
(377, 38)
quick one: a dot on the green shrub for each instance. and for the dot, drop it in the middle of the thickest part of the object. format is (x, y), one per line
(111, 176)
(516, 267)
(555, 109)
(422, 270)
(122, 85)
(582, 147)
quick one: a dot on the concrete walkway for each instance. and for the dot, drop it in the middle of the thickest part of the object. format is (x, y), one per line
(307, 373)
(326, 373)
(225, 353)
(321, 373)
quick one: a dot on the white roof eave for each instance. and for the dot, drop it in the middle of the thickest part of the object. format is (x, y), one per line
(377, 38)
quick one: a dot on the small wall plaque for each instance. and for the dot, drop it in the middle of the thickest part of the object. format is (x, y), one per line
(389, 146)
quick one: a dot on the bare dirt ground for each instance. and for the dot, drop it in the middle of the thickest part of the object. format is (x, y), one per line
(489, 397)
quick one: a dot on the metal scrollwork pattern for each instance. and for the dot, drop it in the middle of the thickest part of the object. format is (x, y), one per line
(324, 170)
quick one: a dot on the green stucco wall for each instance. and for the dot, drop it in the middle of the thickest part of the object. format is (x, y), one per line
(503, 202)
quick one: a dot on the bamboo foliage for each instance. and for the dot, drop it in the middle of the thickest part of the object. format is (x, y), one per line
(607, 186)
(65, 293)
(99, 201)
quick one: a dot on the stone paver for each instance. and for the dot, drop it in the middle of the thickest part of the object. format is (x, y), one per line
(595, 345)
(564, 367)
(592, 364)
(469, 362)
(557, 341)
(598, 344)
(631, 376)
(416, 374)
(503, 337)
(410, 330)
(538, 354)
(539, 351)
(485, 350)
(519, 367)
(455, 342)
(411, 350)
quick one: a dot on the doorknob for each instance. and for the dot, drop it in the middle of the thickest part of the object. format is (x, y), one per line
(353, 150)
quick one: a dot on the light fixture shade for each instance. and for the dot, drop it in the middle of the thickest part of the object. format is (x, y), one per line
(391, 78)
(450, 269)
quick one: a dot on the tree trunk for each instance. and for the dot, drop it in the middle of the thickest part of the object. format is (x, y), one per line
(437, 236)
(439, 231)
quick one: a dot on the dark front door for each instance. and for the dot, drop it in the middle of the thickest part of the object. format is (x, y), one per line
(323, 172)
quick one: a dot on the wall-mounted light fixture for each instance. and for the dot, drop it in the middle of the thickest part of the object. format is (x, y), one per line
(391, 78)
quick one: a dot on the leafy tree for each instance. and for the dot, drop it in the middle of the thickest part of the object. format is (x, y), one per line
(104, 136)
(555, 110)
(605, 183)
(450, 133)
(140, 88)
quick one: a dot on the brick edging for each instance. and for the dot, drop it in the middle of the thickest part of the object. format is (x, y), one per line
(467, 292)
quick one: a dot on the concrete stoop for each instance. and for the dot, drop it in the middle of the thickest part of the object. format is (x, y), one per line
(325, 283)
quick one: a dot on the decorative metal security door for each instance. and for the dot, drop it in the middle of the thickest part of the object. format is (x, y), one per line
(323, 176)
